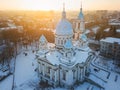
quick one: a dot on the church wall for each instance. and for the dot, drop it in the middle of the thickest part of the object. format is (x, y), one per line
(61, 75)
(70, 78)
(48, 72)
(60, 40)
(82, 26)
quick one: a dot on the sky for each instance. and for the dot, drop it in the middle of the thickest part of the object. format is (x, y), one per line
(57, 4)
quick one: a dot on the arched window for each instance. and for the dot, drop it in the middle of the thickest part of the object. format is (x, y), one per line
(73, 74)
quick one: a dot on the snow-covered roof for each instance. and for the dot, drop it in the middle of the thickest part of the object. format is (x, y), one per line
(19, 28)
(107, 30)
(87, 31)
(76, 44)
(114, 22)
(118, 30)
(64, 27)
(68, 44)
(95, 29)
(111, 40)
(55, 57)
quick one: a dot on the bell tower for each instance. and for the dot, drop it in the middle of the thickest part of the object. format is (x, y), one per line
(79, 24)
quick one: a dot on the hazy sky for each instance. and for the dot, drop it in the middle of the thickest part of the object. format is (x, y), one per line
(57, 4)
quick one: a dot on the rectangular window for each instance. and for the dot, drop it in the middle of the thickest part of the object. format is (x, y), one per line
(73, 74)
(64, 75)
(48, 69)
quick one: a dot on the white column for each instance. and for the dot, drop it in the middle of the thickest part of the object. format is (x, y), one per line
(55, 76)
(81, 74)
(50, 74)
(43, 69)
(39, 68)
(84, 71)
(78, 73)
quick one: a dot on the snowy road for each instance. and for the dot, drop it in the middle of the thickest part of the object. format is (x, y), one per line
(24, 71)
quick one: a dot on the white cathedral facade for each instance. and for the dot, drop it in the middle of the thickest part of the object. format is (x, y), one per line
(65, 62)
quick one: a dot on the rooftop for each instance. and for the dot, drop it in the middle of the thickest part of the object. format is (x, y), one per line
(114, 22)
(111, 40)
(118, 30)
(54, 57)
(107, 30)
(68, 44)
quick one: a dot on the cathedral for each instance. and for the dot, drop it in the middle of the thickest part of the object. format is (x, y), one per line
(66, 61)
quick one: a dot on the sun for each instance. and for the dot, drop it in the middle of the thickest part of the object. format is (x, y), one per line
(39, 5)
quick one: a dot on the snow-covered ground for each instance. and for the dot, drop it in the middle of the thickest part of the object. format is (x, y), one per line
(111, 79)
(87, 86)
(111, 83)
(107, 63)
(7, 83)
(25, 69)
(26, 76)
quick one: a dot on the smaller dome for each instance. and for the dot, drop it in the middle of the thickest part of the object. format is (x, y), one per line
(42, 39)
(81, 16)
(64, 27)
(68, 44)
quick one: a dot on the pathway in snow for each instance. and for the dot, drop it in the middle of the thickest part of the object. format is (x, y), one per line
(6, 84)
(24, 70)
(112, 83)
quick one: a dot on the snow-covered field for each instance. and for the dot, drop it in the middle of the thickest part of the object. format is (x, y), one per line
(25, 69)
(111, 78)
(7, 83)
(26, 76)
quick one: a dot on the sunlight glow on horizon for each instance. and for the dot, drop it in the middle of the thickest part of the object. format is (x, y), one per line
(57, 4)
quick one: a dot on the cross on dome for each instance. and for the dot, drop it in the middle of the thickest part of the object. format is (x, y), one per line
(63, 13)
(81, 7)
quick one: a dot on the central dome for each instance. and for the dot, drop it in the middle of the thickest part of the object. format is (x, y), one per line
(64, 27)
